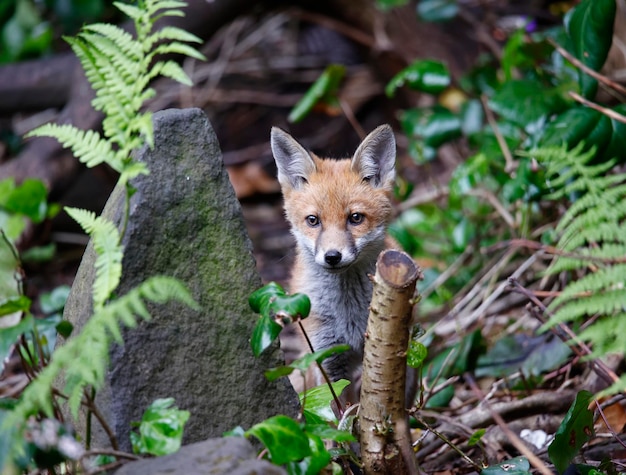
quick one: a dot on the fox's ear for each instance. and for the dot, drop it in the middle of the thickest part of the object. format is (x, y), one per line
(294, 163)
(375, 158)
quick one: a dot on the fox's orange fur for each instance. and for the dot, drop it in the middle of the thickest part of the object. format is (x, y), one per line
(339, 211)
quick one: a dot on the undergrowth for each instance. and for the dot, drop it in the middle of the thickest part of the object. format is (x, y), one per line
(593, 247)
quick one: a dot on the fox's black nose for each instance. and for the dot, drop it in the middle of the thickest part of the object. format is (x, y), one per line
(332, 257)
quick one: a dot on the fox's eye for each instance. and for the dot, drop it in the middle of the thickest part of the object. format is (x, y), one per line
(356, 218)
(312, 220)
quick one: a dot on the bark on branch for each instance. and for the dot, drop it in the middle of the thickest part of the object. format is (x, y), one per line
(385, 439)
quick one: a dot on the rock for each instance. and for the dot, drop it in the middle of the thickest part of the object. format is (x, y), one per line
(185, 222)
(230, 455)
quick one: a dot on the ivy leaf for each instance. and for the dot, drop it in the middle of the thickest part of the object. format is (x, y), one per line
(315, 462)
(8, 336)
(283, 437)
(590, 27)
(526, 103)
(417, 354)
(437, 10)
(316, 401)
(18, 303)
(426, 75)
(305, 361)
(160, 430)
(433, 126)
(265, 332)
(575, 430)
(29, 199)
(260, 298)
(323, 89)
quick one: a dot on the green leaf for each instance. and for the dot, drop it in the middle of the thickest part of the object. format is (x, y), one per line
(322, 90)
(305, 361)
(417, 354)
(426, 75)
(590, 27)
(290, 307)
(433, 126)
(575, 430)
(578, 124)
(516, 466)
(283, 437)
(265, 332)
(313, 463)
(54, 301)
(18, 303)
(316, 401)
(160, 430)
(386, 5)
(29, 199)
(260, 298)
(437, 10)
(476, 437)
(10, 335)
(526, 103)
(327, 432)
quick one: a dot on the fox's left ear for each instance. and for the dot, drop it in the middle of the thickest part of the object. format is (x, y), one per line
(375, 158)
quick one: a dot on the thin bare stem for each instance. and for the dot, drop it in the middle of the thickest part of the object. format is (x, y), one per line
(586, 69)
(608, 112)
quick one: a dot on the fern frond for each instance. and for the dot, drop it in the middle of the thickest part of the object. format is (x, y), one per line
(106, 243)
(124, 41)
(170, 69)
(590, 218)
(602, 303)
(602, 233)
(614, 192)
(82, 368)
(604, 278)
(171, 33)
(608, 335)
(131, 11)
(87, 145)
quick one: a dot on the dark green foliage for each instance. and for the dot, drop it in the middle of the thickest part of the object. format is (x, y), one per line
(575, 430)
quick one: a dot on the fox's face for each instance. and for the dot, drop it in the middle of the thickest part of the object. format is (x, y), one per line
(338, 209)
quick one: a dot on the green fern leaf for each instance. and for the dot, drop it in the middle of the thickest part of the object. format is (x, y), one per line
(594, 282)
(172, 70)
(177, 48)
(603, 304)
(105, 238)
(87, 145)
(608, 335)
(134, 13)
(124, 41)
(171, 33)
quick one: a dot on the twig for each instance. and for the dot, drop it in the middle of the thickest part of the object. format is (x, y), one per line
(504, 147)
(493, 201)
(513, 438)
(608, 426)
(424, 197)
(449, 443)
(321, 368)
(347, 110)
(581, 349)
(586, 69)
(346, 30)
(450, 271)
(551, 250)
(93, 408)
(608, 112)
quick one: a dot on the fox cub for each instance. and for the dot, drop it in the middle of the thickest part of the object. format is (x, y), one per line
(339, 211)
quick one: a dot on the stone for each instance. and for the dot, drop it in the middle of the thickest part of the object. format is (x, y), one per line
(230, 455)
(185, 222)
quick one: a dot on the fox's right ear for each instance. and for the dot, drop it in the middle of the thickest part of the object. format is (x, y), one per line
(294, 163)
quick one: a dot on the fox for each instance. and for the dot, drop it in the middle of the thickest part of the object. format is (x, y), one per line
(338, 211)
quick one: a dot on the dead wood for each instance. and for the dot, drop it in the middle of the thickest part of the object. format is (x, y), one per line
(385, 440)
